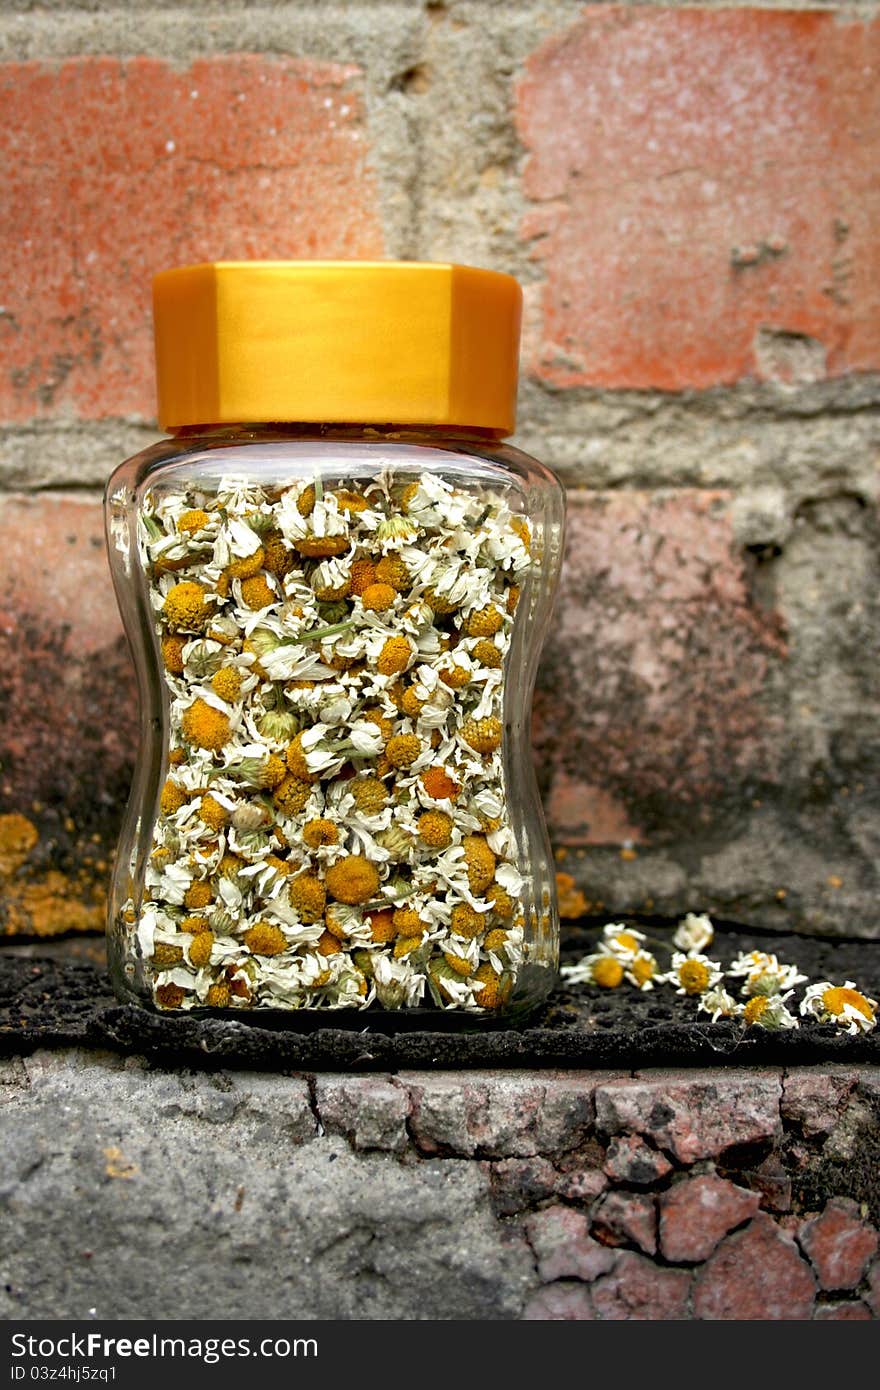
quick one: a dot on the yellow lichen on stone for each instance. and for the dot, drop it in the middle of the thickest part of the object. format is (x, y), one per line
(18, 836)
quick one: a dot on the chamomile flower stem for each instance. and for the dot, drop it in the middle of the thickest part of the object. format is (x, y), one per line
(317, 634)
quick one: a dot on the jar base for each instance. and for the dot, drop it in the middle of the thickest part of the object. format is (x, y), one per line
(533, 988)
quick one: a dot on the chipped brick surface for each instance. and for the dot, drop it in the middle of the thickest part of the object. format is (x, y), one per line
(629, 1159)
(520, 1183)
(757, 1274)
(843, 1312)
(704, 200)
(692, 1117)
(112, 170)
(467, 1116)
(697, 1213)
(637, 1289)
(813, 1096)
(655, 618)
(68, 731)
(563, 1246)
(372, 1117)
(839, 1244)
(561, 1302)
(626, 1218)
(370, 1214)
(581, 1185)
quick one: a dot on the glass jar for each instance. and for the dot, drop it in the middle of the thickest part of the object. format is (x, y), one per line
(336, 628)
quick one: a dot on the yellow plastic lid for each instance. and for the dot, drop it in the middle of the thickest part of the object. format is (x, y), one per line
(371, 342)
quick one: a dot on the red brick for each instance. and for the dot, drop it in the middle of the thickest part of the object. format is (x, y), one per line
(697, 1213)
(560, 1302)
(520, 1183)
(631, 1160)
(755, 1275)
(69, 728)
(581, 1185)
(656, 620)
(840, 1245)
(706, 200)
(507, 1116)
(626, 1218)
(638, 1290)
(693, 1115)
(371, 1111)
(843, 1312)
(814, 1096)
(563, 1246)
(112, 170)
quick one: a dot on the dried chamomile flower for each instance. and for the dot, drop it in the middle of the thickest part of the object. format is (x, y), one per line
(769, 1011)
(265, 939)
(187, 607)
(764, 974)
(718, 1003)
(352, 880)
(624, 942)
(693, 973)
(601, 968)
(332, 799)
(642, 970)
(439, 785)
(693, 933)
(480, 861)
(205, 727)
(483, 735)
(844, 1005)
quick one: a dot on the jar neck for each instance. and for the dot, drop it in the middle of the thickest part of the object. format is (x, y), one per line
(336, 430)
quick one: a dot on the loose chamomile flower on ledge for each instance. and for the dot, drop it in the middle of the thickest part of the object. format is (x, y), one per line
(769, 1011)
(718, 1003)
(602, 968)
(693, 933)
(641, 970)
(844, 1005)
(764, 974)
(693, 974)
(623, 942)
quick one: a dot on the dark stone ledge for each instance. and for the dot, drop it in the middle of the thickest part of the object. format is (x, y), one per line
(59, 1000)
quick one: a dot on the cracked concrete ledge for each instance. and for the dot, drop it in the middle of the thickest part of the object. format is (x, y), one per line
(433, 1195)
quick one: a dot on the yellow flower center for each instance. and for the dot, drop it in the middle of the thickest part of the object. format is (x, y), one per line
(835, 1001)
(626, 940)
(608, 972)
(693, 976)
(755, 1008)
(643, 969)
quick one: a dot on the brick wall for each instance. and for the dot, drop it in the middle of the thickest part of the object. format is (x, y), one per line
(689, 197)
